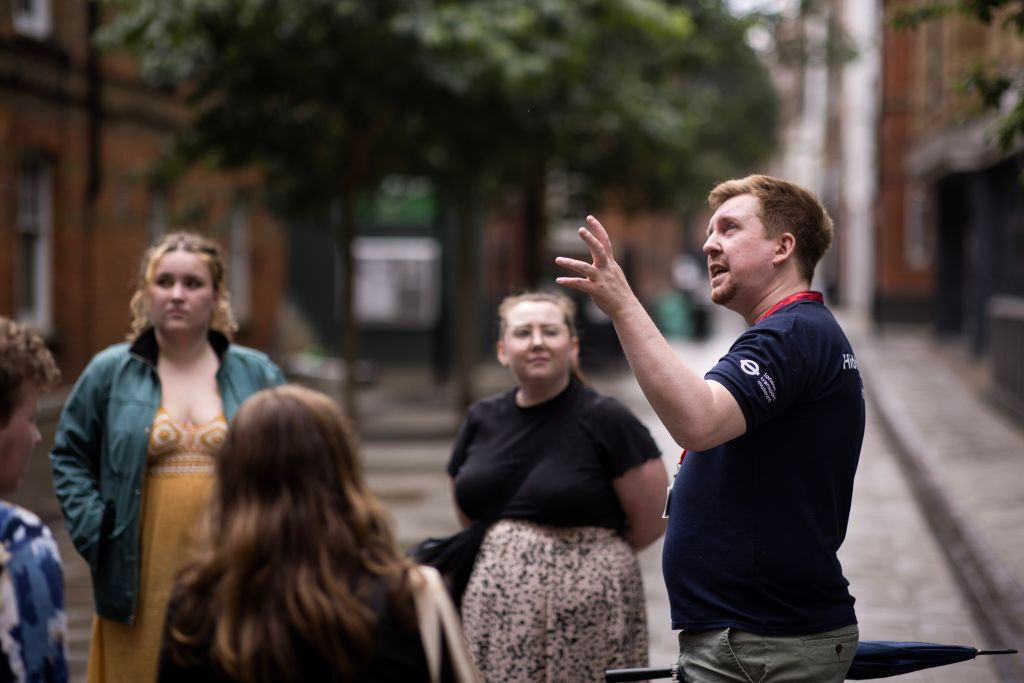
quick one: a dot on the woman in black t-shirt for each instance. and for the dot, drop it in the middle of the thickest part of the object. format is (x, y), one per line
(556, 593)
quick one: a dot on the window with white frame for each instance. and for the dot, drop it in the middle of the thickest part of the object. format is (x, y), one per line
(240, 266)
(33, 262)
(397, 281)
(32, 18)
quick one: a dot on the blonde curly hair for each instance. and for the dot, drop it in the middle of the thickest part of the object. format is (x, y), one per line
(221, 319)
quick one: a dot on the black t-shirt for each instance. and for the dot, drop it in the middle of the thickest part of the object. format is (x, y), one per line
(754, 524)
(581, 441)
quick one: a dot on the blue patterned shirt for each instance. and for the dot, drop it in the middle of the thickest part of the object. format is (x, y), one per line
(33, 625)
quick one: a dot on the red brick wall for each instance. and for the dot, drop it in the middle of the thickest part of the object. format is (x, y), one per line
(97, 245)
(894, 277)
(920, 106)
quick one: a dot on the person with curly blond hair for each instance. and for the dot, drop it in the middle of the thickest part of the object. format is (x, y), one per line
(137, 442)
(32, 620)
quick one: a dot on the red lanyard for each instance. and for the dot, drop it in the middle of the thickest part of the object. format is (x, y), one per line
(799, 296)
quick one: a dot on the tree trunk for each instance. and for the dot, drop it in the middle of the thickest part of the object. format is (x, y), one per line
(533, 227)
(467, 287)
(349, 334)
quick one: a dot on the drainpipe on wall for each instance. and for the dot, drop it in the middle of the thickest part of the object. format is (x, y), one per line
(94, 176)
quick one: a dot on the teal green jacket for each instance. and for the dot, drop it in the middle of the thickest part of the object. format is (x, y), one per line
(99, 455)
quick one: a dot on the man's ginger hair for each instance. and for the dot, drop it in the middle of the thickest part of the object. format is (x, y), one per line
(785, 207)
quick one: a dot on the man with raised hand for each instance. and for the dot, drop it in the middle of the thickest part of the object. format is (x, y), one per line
(771, 438)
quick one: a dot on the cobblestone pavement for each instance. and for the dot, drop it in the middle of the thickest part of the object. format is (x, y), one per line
(904, 587)
(965, 461)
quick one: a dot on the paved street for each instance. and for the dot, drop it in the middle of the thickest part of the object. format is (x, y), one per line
(965, 461)
(897, 571)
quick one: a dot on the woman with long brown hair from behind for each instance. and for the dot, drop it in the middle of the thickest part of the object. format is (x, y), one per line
(299, 577)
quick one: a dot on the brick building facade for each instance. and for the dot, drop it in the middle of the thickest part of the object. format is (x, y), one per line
(79, 201)
(950, 218)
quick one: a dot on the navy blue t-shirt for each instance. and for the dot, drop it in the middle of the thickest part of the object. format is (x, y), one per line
(755, 523)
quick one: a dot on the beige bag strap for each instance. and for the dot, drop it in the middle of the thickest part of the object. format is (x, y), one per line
(430, 632)
(434, 612)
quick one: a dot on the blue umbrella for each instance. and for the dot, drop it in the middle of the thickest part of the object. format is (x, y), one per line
(873, 659)
(884, 658)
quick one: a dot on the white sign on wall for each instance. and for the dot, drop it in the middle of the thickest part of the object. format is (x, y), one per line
(397, 281)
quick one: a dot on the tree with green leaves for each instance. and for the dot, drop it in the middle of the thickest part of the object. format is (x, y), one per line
(650, 98)
(310, 91)
(531, 97)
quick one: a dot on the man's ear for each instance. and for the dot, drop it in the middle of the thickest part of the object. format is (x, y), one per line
(785, 245)
(502, 356)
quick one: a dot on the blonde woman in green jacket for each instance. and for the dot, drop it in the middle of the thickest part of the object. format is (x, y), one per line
(134, 454)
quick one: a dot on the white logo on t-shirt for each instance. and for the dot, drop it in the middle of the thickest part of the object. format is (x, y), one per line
(750, 367)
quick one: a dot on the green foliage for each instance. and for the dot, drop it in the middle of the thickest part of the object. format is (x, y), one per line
(913, 15)
(990, 87)
(652, 97)
(993, 88)
(302, 89)
(703, 111)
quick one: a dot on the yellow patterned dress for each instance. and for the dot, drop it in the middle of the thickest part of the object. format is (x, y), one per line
(179, 476)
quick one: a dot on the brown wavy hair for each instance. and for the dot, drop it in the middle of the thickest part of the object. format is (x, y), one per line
(564, 303)
(785, 207)
(295, 547)
(24, 359)
(221, 319)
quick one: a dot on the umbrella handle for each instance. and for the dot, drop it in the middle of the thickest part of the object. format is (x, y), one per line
(1007, 651)
(641, 674)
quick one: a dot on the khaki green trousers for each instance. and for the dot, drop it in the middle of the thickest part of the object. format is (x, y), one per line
(732, 656)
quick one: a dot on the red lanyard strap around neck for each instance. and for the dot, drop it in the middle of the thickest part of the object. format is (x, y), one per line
(799, 296)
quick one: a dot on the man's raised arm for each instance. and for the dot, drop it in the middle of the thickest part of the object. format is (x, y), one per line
(698, 413)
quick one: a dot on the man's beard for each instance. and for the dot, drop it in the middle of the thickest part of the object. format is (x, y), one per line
(724, 294)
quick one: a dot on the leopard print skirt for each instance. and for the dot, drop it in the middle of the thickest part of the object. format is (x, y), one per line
(554, 604)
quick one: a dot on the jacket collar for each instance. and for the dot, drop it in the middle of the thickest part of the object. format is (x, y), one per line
(146, 348)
